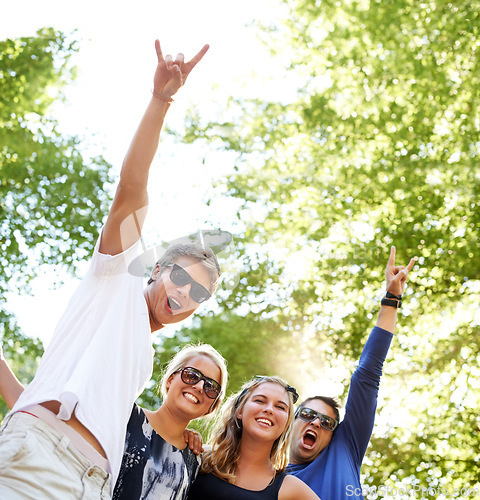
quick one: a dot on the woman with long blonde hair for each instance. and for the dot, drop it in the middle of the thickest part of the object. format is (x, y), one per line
(250, 442)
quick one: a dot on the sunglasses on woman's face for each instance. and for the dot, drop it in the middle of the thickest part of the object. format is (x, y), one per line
(180, 277)
(309, 415)
(192, 376)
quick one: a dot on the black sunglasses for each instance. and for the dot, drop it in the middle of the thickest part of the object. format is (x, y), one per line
(180, 277)
(309, 415)
(289, 388)
(192, 376)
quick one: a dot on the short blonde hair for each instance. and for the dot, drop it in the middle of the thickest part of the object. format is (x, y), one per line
(181, 359)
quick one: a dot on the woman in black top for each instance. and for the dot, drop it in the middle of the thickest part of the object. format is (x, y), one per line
(249, 448)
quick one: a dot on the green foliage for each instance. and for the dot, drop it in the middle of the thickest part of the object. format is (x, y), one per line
(380, 147)
(52, 198)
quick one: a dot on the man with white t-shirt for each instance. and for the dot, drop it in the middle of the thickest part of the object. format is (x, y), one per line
(64, 437)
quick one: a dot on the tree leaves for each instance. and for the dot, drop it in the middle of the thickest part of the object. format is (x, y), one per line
(52, 197)
(380, 147)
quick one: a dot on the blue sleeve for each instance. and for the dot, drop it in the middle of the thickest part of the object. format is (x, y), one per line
(362, 396)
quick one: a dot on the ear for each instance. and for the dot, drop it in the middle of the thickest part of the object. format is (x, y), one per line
(169, 382)
(156, 272)
(238, 420)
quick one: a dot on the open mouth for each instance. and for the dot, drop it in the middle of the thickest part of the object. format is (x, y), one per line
(309, 439)
(173, 304)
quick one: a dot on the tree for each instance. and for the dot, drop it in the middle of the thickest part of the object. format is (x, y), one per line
(52, 197)
(379, 147)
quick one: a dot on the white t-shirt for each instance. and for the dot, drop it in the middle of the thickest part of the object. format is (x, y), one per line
(101, 354)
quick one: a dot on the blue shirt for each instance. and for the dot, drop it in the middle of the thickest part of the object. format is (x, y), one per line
(335, 473)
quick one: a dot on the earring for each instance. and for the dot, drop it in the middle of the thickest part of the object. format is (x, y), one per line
(238, 422)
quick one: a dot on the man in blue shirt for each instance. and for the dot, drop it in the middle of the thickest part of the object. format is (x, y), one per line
(325, 454)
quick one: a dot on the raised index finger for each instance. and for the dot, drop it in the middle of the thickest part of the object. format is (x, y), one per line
(391, 259)
(158, 49)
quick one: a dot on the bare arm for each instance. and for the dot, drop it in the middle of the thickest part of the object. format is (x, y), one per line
(10, 386)
(396, 279)
(129, 207)
(294, 488)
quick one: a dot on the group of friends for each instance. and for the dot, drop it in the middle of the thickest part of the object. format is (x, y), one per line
(75, 432)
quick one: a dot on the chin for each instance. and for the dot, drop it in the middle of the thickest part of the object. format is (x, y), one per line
(178, 318)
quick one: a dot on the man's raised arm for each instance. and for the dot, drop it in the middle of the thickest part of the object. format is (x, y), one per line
(127, 214)
(362, 397)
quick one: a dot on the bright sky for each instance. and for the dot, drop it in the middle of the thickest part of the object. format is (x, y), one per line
(115, 70)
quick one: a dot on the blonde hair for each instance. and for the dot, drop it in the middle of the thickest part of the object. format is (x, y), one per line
(222, 459)
(181, 359)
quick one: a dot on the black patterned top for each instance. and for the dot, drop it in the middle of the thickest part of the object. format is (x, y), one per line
(151, 467)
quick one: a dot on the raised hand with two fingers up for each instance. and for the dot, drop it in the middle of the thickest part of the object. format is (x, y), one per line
(396, 276)
(395, 279)
(171, 74)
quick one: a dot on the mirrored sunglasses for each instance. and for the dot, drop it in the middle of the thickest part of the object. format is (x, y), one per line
(309, 415)
(180, 277)
(192, 376)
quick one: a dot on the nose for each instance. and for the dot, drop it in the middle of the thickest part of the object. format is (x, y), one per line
(200, 385)
(185, 289)
(268, 409)
(316, 423)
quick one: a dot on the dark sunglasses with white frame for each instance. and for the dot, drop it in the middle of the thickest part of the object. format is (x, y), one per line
(308, 415)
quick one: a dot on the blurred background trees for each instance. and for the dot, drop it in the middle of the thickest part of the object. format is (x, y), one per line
(379, 145)
(52, 195)
(376, 143)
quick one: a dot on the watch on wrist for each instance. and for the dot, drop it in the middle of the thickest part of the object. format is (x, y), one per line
(392, 303)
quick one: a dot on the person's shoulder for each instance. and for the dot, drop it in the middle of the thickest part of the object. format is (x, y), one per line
(138, 412)
(137, 421)
(294, 488)
(296, 468)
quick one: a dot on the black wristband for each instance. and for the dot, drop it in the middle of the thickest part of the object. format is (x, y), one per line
(392, 303)
(391, 296)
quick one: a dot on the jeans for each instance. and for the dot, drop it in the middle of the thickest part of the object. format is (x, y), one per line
(39, 463)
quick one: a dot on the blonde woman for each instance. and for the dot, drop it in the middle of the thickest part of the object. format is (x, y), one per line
(156, 462)
(249, 449)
